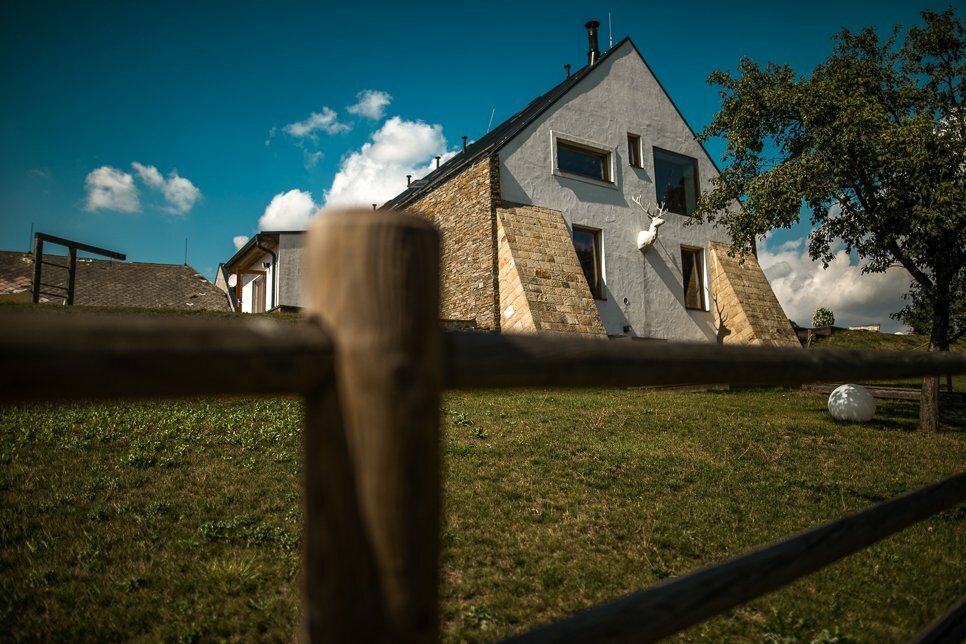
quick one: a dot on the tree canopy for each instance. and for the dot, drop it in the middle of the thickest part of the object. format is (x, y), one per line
(872, 143)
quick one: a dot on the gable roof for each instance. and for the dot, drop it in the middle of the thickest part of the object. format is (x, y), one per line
(101, 282)
(503, 133)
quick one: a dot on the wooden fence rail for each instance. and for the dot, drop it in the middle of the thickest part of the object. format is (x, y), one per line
(125, 356)
(371, 363)
(669, 607)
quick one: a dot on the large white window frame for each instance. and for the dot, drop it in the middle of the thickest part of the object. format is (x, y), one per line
(701, 274)
(597, 236)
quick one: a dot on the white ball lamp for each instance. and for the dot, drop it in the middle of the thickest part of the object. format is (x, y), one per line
(851, 403)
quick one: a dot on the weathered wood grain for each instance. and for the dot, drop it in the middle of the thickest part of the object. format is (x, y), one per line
(50, 355)
(671, 606)
(374, 286)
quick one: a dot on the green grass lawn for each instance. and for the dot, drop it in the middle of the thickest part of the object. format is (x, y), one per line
(181, 520)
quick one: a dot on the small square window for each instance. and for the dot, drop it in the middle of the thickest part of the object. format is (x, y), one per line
(676, 180)
(587, 245)
(634, 151)
(692, 269)
(583, 160)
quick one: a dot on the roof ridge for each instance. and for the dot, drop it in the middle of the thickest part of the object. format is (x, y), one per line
(499, 136)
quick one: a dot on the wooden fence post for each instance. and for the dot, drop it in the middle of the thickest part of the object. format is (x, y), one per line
(373, 283)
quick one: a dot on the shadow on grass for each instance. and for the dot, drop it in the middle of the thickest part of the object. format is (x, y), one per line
(904, 416)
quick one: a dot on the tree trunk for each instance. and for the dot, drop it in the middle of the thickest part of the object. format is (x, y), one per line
(929, 403)
(929, 413)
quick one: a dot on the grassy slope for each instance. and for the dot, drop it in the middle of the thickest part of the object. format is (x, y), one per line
(180, 520)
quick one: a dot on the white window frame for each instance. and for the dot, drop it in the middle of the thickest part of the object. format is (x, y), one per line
(639, 150)
(706, 286)
(591, 145)
(599, 233)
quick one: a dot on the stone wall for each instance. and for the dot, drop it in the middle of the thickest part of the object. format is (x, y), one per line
(746, 308)
(540, 275)
(515, 310)
(463, 210)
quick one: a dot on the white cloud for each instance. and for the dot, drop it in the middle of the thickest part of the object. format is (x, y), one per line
(239, 241)
(377, 171)
(179, 193)
(855, 298)
(290, 210)
(111, 189)
(371, 104)
(149, 175)
(311, 158)
(325, 121)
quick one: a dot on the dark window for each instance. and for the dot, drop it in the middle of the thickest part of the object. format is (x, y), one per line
(692, 268)
(583, 161)
(634, 150)
(587, 245)
(676, 179)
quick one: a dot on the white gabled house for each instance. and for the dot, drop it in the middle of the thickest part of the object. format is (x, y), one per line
(549, 197)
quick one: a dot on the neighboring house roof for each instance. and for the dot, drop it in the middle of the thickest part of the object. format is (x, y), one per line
(503, 133)
(100, 282)
(266, 238)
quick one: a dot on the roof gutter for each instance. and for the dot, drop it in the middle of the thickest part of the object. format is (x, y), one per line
(258, 244)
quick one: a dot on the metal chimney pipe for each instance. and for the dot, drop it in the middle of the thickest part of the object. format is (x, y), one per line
(437, 160)
(593, 54)
(567, 68)
(409, 179)
(373, 206)
(464, 144)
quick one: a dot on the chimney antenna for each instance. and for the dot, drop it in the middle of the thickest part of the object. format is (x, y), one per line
(437, 161)
(567, 69)
(409, 179)
(464, 144)
(610, 32)
(490, 124)
(593, 53)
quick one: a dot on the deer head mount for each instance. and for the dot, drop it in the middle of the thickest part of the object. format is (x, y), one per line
(646, 238)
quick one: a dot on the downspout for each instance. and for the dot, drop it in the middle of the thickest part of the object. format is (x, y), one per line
(258, 244)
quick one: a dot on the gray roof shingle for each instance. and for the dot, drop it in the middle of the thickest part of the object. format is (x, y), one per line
(110, 283)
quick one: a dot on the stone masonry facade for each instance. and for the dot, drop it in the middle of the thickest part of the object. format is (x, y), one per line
(464, 211)
(746, 308)
(542, 285)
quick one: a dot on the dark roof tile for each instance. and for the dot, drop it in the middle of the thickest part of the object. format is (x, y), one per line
(109, 283)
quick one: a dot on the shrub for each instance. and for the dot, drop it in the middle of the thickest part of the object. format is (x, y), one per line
(823, 317)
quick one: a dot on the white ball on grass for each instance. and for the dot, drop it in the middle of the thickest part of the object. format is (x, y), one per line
(851, 402)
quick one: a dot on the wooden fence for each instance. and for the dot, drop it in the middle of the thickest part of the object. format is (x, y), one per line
(371, 362)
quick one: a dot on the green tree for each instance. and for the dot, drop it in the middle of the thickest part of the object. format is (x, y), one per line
(872, 143)
(823, 317)
(918, 313)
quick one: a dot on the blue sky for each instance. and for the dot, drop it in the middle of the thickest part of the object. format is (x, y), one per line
(133, 126)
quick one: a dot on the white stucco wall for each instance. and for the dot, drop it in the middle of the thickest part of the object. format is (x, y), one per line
(617, 97)
(290, 250)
